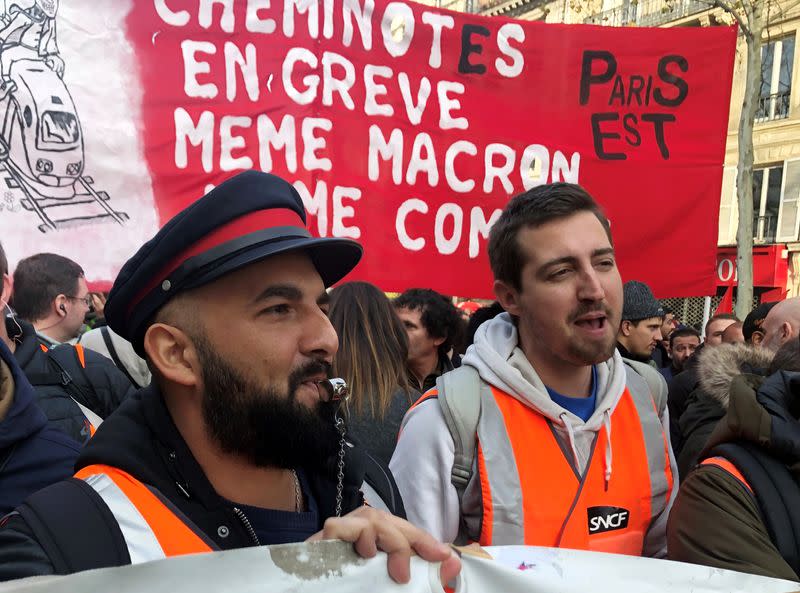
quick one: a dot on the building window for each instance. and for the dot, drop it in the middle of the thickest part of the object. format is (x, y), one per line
(767, 184)
(777, 61)
(789, 224)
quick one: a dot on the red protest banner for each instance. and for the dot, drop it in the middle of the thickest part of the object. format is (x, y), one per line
(403, 126)
(408, 128)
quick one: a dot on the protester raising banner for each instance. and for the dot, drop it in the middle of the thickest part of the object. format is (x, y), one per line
(402, 126)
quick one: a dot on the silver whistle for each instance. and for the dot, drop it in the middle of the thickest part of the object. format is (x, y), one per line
(336, 389)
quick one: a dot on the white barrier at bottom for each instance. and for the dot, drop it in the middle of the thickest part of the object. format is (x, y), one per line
(333, 567)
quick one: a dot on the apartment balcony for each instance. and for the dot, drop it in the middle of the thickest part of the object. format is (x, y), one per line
(509, 8)
(614, 17)
(772, 107)
(648, 13)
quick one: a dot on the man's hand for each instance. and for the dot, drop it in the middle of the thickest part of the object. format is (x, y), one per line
(98, 303)
(370, 530)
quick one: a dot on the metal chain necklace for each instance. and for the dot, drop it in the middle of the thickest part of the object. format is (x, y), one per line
(338, 391)
(340, 474)
(298, 496)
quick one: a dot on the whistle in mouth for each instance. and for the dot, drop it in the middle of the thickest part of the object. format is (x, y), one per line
(336, 389)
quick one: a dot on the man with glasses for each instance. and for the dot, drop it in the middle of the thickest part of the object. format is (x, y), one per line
(50, 292)
(75, 388)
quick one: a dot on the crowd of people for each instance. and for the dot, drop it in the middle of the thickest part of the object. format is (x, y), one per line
(226, 396)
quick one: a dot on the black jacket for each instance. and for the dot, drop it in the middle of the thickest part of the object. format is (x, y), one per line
(679, 389)
(101, 385)
(141, 439)
(32, 454)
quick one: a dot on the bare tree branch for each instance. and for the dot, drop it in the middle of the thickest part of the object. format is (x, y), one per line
(727, 7)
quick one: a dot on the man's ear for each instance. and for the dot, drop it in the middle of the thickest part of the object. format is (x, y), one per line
(507, 296)
(625, 328)
(173, 354)
(757, 337)
(60, 305)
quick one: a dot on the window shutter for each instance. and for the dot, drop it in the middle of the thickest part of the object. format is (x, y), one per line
(728, 210)
(788, 219)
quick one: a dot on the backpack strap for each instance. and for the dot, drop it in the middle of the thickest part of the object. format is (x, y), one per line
(380, 480)
(112, 352)
(460, 400)
(777, 494)
(62, 378)
(87, 537)
(655, 381)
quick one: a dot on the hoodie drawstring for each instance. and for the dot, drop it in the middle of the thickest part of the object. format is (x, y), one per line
(608, 458)
(571, 438)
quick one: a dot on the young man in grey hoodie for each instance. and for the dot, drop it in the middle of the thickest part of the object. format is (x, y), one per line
(544, 436)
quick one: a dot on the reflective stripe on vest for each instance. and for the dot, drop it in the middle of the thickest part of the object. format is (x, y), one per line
(723, 463)
(531, 494)
(151, 530)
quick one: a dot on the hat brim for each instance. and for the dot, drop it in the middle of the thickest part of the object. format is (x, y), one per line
(333, 258)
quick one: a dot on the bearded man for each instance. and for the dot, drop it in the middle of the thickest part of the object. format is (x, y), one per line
(236, 443)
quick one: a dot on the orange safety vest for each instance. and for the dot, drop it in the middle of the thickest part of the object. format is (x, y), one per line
(562, 509)
(526, 491)
(729, 467)
(151, 530)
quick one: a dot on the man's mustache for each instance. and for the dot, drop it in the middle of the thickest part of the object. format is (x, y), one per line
(585, 309)
(306, 372)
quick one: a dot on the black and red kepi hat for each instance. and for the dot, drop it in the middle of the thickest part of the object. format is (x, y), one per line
(247, 218)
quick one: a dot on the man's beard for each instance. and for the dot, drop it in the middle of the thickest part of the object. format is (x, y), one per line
(264, 426)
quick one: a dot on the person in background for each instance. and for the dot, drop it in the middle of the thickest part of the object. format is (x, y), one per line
(434, 327)
(640, 328)
(33, 455)
(75, 388)
(751, 328)
(467, 308)
(706, 405)
(716, 326)
(107, 342)
(373, 347)
(739, 509)
(682, 386)
(683, 342)
(661, 352)
(478, 318)
(50, 293)
(733, 333)
(96, 316)
(781, 324)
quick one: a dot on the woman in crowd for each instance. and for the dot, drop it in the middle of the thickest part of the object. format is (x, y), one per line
(373, 347)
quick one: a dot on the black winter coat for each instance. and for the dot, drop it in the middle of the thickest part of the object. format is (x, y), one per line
(101, 385)
(141, 439)
(33, 455)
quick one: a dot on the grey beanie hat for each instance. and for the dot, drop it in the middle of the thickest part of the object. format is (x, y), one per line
(639, 302)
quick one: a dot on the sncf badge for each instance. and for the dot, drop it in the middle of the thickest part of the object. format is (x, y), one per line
(602, 519)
